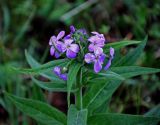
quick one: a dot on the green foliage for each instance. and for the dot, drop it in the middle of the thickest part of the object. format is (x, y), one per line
(54, 86)
(74, 68)
(39, 111)
(132, 56)
(47, 74)
(132, 19)
(43, 68)
(76, 117)
(121, 119)
(95, 96)
(120, 44)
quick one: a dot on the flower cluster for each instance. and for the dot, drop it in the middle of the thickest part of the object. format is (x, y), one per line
(97, 42)
(79, 45)
(60, 46)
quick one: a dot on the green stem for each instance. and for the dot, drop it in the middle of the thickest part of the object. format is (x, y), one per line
(78, 94)
(78, 97)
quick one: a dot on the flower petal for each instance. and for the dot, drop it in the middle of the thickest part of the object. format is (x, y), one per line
(52, 50)
(57, 54)
(67, 37)
(74, 48)
(92, 39)
(108, 64)
(57, 70)
(102, 58)
(52, 40)
(60, 35)
(97, 66)
(100, 42)
(91, 47)
(59, 46)
(68, 41)
(98, 51)
(89, 58)
(70, 54)
(111, 52)
(63, 76)
(95, 33)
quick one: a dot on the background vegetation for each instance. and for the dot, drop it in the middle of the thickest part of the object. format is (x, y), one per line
(28, 24)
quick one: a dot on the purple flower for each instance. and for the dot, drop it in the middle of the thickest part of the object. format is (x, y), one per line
(72, 28)
(97, 58)
(110, 59)
(58, 71)
(56, 44)
(70, 48)
(97, 40)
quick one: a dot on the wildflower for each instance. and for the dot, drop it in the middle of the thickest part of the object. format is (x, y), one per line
(110, 59)
(58, 71)
(97, 40)
(56, 44)
(97, 58)
(70, 48)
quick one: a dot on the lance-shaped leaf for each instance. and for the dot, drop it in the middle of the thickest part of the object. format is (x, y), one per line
(119, 44)
(132, 56)
(72, 74)
(104, 89)
(98, 94)
(102, 77)
(76, 117)
(131, 71)
(52, 86)
(39, 111)
(43, 68)
(121, 119)
(35, 64)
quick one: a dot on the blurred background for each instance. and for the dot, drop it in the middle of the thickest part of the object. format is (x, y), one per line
(29, 24)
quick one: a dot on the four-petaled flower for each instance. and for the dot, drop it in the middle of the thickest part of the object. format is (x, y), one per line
(56, 44)
(70, 48)
(97, 58)
(97, 40)
(58, 71)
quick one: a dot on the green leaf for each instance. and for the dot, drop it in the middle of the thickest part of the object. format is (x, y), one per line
(72, 74)
(154, 112)
(120, 44)
(37, 93)
(98, 94)
(43, 68)
(121, 119)
(132, 56)
(52, 86)
(131, 71)
(76, 117)
(39, 111)
(34, 64)
(102, 77)
(111, 75)
(104, 89)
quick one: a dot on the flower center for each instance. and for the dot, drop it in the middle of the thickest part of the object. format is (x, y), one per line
(68, 46)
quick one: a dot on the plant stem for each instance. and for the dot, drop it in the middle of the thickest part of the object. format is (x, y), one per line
(79, 98)
(78, 94)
